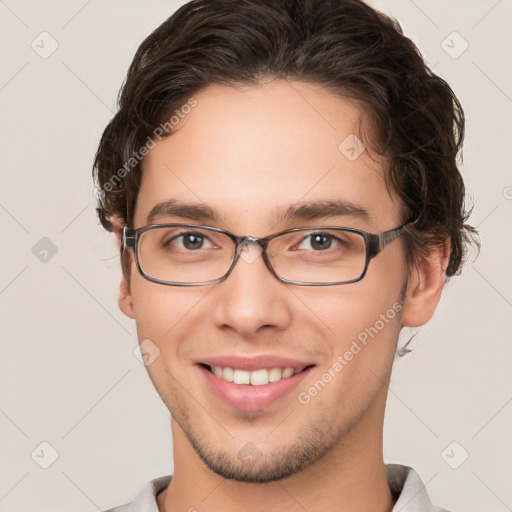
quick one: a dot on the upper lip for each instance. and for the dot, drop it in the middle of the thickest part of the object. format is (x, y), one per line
(252, 363)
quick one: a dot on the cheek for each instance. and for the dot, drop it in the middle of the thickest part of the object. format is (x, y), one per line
(366, 336)
(343, 312)
(363, 349)
(165, 314)
(360, 323)
(157, 308)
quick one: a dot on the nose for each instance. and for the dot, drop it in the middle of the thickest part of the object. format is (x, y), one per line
(251, 299)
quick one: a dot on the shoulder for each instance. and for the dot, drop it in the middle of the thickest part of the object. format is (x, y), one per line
(145, 501)
(409, 490)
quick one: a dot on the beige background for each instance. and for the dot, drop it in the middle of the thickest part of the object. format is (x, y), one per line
(68, 375)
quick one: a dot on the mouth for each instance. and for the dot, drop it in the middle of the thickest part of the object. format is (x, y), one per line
(260, 377)
(252, 390)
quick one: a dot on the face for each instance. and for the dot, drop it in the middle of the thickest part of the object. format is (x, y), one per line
(249, 154)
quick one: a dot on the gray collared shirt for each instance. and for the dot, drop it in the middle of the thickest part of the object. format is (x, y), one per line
(404, 482)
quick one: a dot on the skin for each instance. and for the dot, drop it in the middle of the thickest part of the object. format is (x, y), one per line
(247, 152)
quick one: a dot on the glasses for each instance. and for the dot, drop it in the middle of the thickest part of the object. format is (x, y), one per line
(194, 255)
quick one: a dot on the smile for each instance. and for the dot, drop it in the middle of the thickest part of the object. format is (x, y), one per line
(252, 390)
(256, 377)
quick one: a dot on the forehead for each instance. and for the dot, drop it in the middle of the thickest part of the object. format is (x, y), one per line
(250, 153)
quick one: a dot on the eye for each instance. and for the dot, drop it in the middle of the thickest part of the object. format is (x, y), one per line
(189, 241)
(320, 241)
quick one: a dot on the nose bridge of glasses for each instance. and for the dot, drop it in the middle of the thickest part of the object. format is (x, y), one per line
(243, 249)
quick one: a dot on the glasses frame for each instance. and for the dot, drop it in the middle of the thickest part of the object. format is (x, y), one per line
(374, 244)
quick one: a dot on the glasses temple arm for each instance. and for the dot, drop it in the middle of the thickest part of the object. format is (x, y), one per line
(378, 242)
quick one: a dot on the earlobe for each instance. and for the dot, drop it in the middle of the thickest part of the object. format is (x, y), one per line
(125, 299)
(425, 286)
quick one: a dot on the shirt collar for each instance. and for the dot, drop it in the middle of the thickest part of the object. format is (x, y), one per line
(405, 484)
(409, 490)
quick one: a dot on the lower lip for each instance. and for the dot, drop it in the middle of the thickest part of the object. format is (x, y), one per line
(247, 397)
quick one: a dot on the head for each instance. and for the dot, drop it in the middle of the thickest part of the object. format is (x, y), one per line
(248, 109)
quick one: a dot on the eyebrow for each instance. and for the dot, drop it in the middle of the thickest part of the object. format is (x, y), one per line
(322, 209)
(304, 211)
(191, 211)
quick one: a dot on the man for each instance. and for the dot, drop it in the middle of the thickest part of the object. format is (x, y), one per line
(282, 179)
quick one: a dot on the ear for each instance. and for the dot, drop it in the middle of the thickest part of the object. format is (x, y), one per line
(425, 286)
(125, 299)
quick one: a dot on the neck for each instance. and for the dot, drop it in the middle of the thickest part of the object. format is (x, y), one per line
(349, 477)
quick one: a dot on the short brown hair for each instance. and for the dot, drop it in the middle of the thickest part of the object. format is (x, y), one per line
(343, 45)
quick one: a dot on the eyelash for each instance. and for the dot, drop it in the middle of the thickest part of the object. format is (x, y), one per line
(204, 237)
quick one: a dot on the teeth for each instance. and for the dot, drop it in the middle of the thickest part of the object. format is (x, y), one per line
(256, 377)
(274, 374)
(227, 374)
(288, 372)
(259, 377)
(241, 377)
